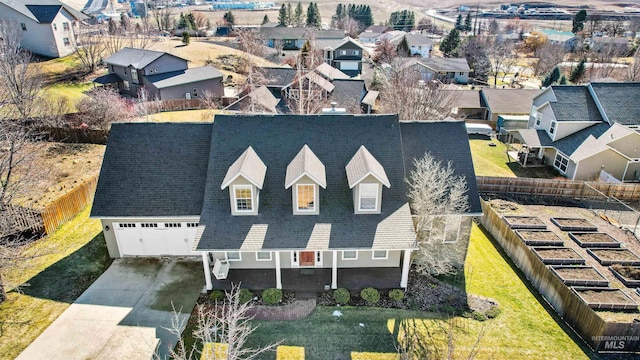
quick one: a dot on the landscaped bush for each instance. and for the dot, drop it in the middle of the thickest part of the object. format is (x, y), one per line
(493, 312)
(272, 296)
(370, 295)
(245, 295)
(341, 296)
(478, 316)
(396, 294)
(216, 295)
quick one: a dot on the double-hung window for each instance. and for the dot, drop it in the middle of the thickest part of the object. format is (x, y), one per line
(561, 162)
(244, 197)
(368, 197)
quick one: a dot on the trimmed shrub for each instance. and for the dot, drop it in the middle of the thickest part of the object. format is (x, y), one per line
(341, 296)
(272, 296)
(493, 312)
(216, 295)
(478, 316)
(370, 295)
(396, 294)
(245, 295)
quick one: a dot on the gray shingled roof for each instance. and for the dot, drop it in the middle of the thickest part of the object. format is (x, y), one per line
(137, 58)
(306, 163)
(325, 84)
(282, 32)
(348, 92)
(445, 141)
(278, 77)
(620, 101)
(510, 101)
(575, 103)
(334, 139)
(175, 78)
(41, 11)
(153, 170)
(363, 164)
(418, 40)
(445, 64)
(249, 166)
(264, 101)
(330, 72)
(567, 145)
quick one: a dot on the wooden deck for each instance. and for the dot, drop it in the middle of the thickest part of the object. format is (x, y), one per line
(312, 280)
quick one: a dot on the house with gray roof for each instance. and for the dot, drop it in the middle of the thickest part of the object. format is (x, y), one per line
(46, 27)
(267, 199)
(419, 45)
(164, 76)
(293, 38)
(585, 132)
(446, 70)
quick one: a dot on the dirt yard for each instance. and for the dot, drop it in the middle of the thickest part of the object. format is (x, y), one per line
(57, 168)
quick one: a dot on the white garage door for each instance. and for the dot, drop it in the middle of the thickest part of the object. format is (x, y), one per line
(155, 239)
(348, 65)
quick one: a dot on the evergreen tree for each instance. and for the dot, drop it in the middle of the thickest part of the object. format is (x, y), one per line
(578, 21)
(112, 27)
(578, 72)
(368, 17)
(298, 15)
(191, 20)
(340, 12)
(313, 16)
(290, 14)
(265, 19)
(459, 25)
(563, 80)
(450, 42)
(552, 77)
(402, 20)
(403, 49)
(229, 18)
(186, 38)
(182, 23)
(282, 15)
(467, 22)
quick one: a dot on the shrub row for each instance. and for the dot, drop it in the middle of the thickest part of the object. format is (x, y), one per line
(370, 295)
(269, 296)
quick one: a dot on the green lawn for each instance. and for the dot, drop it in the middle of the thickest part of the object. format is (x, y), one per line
(74, 92)
(525, 329)
(494, 161)
(77, 255)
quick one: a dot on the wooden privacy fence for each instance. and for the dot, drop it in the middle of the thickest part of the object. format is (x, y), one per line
(555, 187)
(68, 205)
(153, 107)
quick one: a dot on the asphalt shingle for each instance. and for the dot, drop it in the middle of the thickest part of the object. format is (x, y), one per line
(621, 101)
(574, 103)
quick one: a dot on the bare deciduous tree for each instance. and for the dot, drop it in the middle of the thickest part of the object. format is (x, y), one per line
(229, 324)
(252, 44)
(435, 192)
(499, 53)
(20, 80)
(633, 70)
(104, 106)
(549, 56)
(89, 47)
(403, 92)
(161, 12)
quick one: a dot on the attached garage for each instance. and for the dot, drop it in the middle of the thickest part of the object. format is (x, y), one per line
(155, 238)
(349, 65)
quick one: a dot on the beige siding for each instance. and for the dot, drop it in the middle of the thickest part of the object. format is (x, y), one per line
(38, 38)
(608, 160)
(633, 172)
(628, 145)
(547, 118)
(564, 128)
(59, 34)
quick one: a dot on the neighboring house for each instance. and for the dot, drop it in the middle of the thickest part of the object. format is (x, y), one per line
(292, 195)
(446, 70)
(163, 75)
(260, 100)
(47, 27)
(368, 37)
(419, 45)
(616, 45)
(393, 36)
(345, 56)
(381, 29)
(293, 38)
(566, 39)
(506, 102)
(586, 131)
(465, 104)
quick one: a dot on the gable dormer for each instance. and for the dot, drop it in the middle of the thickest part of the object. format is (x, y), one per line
(305, 175)
(244, 179)
(366, 176)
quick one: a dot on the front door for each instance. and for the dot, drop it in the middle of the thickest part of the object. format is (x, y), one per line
(307, 258)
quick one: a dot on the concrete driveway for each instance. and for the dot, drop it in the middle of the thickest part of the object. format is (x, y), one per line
(124, 314)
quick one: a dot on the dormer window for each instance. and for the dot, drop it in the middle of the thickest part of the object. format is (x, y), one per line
(305, 174)
(244, 179)
(366, 177)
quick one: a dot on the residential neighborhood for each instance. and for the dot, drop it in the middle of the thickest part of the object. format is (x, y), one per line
(232, 180)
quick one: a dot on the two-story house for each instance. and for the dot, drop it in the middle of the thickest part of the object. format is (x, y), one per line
(46, 27)
(267, 199)
(585, 132)
(345, 55)
(419, 45)
(163, 75)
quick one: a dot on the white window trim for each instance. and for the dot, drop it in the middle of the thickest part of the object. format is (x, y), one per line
(298, 198)
(373, 255)
(134, 75)
(226, 255)
(559, 154)
(375, 208)
(553, 128)
(235, 200)
(319, 258)
(538, 117)
(126, 84)
(295, 259)
(268, 252)
(353, 258)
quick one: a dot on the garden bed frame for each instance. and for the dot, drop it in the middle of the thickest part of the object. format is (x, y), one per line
(576, 260)
(606, 262)
(585, 226)
(632, 283)
(629, 304)
(538, 241)
(536, 222)
(598, 280)
(611, 243)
